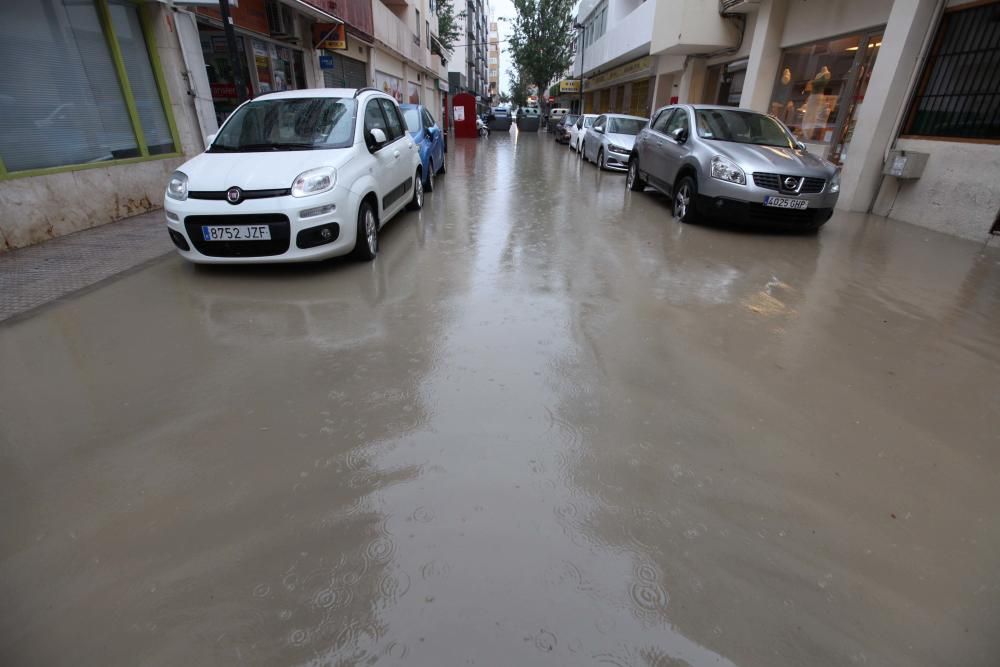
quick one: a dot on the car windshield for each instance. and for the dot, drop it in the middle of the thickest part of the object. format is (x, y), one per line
(294, 123)
(412, 118)
(625, 125)
(742, 127)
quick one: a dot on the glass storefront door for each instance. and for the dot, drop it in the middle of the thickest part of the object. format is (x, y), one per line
(868, 52)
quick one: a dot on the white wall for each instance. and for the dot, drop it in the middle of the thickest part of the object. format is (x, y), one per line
(624, 40)
(957, 193)
(691, 27)
(811, 20)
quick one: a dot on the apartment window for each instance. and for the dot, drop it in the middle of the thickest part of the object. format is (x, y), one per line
(427, 33)
(433, 6)
(416, 37)
(958, 95)
(97, 104)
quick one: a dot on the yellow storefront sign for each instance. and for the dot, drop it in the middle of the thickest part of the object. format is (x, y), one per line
(628, 69)
(569, 86)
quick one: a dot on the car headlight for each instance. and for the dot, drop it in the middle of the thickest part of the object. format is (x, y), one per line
(726, 170)
(314, 182)
(177, 186)
(835, 182)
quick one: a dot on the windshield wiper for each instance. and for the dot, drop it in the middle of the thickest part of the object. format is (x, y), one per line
(276, 147)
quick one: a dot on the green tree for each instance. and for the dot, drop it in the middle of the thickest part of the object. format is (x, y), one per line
(504, 98)
(542, 41)
(449, 29)
(518, 88)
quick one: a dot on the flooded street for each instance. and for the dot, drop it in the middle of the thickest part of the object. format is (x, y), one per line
(549, 425)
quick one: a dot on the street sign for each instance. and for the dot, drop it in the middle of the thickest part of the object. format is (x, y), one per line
(326, 62)
(330, 36)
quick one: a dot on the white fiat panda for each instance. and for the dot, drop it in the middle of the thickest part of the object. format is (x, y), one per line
(296, 176)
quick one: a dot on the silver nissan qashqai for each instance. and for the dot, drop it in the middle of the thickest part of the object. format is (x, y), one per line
(734, 164)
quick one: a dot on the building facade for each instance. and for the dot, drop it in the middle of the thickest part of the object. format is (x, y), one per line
(468, 70)
(132, 88)
(872, 85)
(493, 64)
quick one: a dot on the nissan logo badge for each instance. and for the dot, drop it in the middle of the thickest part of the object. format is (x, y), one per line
(234, 195)
(790, 183)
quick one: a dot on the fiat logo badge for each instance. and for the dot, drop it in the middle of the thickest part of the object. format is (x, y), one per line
(234, 195)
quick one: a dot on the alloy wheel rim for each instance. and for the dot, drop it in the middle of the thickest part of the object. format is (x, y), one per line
(371, 231)
(420, 192)
(430, 176)
(682, 202)
(631, 175)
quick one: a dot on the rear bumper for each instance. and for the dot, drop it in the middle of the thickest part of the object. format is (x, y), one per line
(737, 211)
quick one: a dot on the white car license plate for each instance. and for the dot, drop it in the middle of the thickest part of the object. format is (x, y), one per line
(236, 232)
(785, 202)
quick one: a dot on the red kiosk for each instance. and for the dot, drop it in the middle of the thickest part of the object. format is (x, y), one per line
(463, 114)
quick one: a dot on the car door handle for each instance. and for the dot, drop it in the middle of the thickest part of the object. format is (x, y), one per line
(395, 153)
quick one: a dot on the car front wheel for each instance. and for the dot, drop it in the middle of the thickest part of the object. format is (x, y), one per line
(366, 243)
(429, 185)
(685, 196)
(600, 159)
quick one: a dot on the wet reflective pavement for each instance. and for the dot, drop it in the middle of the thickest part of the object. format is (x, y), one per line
(548, 426)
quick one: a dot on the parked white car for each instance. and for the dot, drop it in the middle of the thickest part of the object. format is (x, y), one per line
(577, 130)
(609, 142)
(296, 176)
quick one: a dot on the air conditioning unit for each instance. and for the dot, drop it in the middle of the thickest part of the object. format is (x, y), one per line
(279, 19)
(738, 6)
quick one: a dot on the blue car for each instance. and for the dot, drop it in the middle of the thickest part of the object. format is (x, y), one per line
(429, 137)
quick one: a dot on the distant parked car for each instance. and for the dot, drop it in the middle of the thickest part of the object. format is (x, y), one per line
(429, 139)
(735, 163)
(608, 143)
(579, 128)
(561, 132)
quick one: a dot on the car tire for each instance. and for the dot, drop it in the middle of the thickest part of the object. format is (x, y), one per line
(581, 152)
(366, 242)
(444, 164)
(634, 180)
(417, 202)
(684, 200)
(600, 159)
(429, 183)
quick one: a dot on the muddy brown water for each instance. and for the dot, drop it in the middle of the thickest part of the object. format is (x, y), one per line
(548, 426)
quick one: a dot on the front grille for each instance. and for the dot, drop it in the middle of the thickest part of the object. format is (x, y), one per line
(810, 186)
(769, 181)
(277, 223)
(220, 195)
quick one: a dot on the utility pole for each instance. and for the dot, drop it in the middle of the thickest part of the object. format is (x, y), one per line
(583, 51)
(234, 56)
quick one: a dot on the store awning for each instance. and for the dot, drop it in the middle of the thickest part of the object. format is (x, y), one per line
(314, 9)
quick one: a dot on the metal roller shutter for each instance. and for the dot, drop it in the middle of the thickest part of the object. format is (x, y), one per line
(346, 73)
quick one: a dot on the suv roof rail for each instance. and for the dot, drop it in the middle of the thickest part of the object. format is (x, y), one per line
(364, 90)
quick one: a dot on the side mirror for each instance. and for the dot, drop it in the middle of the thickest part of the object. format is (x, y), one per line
(210, 138)
(680, 135)
(599, 130)
(801, 146)
(429, 131)
(378, 136)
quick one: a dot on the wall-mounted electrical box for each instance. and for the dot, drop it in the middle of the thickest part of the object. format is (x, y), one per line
(905, 164)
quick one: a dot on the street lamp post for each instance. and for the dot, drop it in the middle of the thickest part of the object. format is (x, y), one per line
(583, 52)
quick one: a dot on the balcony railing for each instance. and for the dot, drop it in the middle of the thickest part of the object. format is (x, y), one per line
(395, 34)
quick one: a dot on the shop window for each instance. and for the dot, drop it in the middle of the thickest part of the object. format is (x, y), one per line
(959, 90)
(128, 30)
(638, 104)
(62, 102)
(811, 86)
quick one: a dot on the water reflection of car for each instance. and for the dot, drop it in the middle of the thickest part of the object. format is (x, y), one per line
(734, 164)
(429, 139)
(561, 131)
(608, 143)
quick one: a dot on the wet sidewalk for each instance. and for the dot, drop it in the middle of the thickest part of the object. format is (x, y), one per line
(39, 274)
